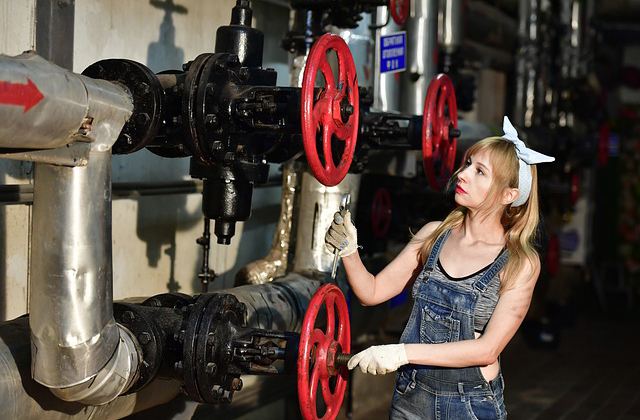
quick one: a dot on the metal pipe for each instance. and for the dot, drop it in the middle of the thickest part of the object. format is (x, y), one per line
(274, 264)
(23, 398)
(421, 58)
(23, 193)
(279, 305)
(74, 335)
(522, 57)
(386, 87)
(54, 107)
(318, 203)
(451, 28)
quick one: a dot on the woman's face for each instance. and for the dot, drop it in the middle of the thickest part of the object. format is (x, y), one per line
(474, 181)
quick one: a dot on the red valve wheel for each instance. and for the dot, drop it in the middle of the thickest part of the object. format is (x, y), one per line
(318, 352)
(381, 212)
(399, 10)
(333, 111)
(440, 117)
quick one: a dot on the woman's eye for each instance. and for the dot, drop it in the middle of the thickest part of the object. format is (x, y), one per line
(480, 171)
(468, 162)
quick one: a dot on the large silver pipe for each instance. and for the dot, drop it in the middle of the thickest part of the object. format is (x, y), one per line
(23, 398)
(318, 203)
(386, 86)
(450, 28)
(522, 63)
(78, 350)
(421, 58)
(53, 105)
(73, 332)
(278, 305)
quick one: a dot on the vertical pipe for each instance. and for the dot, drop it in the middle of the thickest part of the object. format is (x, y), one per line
(318, 203)
(521, 63)
(72, 327)
(451, 30)
(386, 86)
(421, 55)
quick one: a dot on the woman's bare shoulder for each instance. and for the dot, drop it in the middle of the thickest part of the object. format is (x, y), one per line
(426, 230)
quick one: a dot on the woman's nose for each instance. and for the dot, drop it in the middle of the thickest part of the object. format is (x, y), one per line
(462, 175)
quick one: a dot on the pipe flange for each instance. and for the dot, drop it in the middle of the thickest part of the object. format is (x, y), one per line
(208, 372)
(147, 94)
(170, 300)
(188, 338)
(190, 105)
(148, 337)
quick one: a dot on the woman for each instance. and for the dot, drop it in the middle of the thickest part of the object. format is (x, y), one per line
(472, 277)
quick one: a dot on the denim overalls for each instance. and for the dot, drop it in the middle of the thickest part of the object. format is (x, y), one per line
(443, 312)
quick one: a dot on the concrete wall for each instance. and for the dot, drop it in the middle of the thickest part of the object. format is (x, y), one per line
(154, 248)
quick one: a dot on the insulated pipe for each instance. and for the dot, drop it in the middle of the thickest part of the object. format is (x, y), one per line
(52, 107)
(23, 398)
(73, 332)
(274, 265)
(450, 30)
(318, 203)
(77, 348)
(421, 55)
(386, 86)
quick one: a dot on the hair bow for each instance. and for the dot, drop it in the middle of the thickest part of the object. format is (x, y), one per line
(526, 157)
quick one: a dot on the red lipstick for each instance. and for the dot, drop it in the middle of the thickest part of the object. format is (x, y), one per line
(460, 190)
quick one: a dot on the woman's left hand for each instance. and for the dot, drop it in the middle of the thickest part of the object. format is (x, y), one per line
(378, 360)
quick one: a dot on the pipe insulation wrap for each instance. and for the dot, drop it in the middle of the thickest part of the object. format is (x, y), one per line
(318, 203)
(23, 398)
(55, 104)
(73, 332)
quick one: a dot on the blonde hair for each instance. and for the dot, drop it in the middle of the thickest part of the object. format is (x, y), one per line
(519, 223)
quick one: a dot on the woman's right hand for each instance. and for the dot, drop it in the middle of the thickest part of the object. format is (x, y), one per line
(342, 234)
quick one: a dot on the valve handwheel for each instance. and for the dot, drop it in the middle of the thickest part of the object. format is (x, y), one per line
(334, 110)
(323, 355)
(439, 131)
(399, 11)
(381, 212)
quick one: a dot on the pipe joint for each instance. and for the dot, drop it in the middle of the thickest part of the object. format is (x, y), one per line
(114, 379)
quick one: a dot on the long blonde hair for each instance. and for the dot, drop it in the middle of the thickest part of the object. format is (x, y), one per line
(519, 223)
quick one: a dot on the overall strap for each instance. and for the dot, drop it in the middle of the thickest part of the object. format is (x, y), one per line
(435, 250)
(497, 266)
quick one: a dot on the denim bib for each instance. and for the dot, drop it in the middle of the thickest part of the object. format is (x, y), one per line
(443, 311)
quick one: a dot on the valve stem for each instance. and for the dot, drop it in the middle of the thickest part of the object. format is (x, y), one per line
(206, 275)
(343, 358)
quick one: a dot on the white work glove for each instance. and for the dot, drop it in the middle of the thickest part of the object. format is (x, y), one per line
(342, 234)
(378, 360)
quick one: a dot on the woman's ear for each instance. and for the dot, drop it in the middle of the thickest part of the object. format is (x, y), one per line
(510, 195)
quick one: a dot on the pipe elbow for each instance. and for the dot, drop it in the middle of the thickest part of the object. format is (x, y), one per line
(114, 379)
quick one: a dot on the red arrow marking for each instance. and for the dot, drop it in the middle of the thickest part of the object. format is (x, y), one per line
(21, 94)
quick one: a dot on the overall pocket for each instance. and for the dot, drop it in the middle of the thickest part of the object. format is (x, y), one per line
(404, 383)
(437, 324)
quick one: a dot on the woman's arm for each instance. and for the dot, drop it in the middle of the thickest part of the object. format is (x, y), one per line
(372, 290)
(505, 321)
